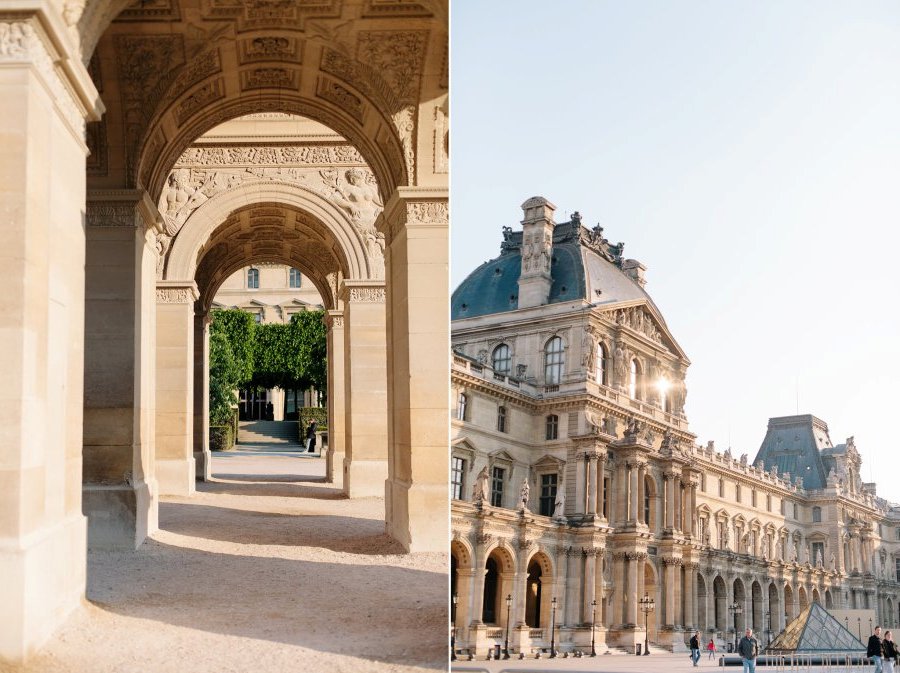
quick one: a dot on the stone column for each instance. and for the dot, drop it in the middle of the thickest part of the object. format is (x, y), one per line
(464, 583)
(710, 604)
(581, 484)
(634, 515)
(590, 578)
(416, 224)
(690, 590)
(642, 492)
(676, 485)
(519, 584)
(119, 489)
(601, 487)
(365, 376)
(668, 614)
(202, 455)
(668, 505)
(591, 465)
(45, 95)
(619, 595)
(175, 464)
(631, 595)
(479, 559)
(337, 400)
(569, 615)
(620, 489)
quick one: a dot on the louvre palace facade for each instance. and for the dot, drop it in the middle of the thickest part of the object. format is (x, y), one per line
(578, 487)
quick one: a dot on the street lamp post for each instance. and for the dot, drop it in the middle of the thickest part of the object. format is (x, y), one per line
(647, 605)
(859, 628)
(736, 609)
(553, 628)
(506, 640)
(593, 623)
(454, 600)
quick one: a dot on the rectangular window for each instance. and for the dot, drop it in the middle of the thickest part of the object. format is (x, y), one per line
(552, 427)
(737, 492)
(497, 486)
(294, 279)
(462, 405)
(796, 512)
(501, 419)
(457, 470)
(768, 503)
(548, 494)
(257, 317)
(753, 498)
(897, 568)
(252, 279)
(721, 488)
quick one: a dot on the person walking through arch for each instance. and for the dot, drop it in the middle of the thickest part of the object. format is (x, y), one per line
(311, 436)
(889, 651)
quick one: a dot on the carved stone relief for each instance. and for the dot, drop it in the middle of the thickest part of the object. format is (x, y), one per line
(370, 295)
(639, 320)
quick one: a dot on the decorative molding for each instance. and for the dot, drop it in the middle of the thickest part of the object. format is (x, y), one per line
(267, 78)
(110, 214)
(328, 89)
(174, 295)
(367, 295)
(270, 48)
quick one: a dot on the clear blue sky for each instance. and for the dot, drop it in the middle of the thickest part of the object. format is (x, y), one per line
(748, 153)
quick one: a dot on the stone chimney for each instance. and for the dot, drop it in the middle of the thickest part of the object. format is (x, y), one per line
(635, 270)
(537, 251)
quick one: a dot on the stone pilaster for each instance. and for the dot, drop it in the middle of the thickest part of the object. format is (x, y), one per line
(365, 385)
(119, 484)
(202, 455)
(175, 462)
(337, 399)
(45, 97)
(416, 222)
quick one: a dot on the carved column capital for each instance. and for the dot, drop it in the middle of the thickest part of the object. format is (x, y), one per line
(363, 292)
(176, 292)
(408, 207)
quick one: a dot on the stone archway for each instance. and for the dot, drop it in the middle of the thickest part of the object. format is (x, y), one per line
(150, 84)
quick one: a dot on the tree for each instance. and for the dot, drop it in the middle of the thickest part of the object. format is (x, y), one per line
(293, 355)
(312, 357)
(239, 329)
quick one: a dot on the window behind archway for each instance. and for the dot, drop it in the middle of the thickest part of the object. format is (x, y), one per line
(491, 586)
(554, 359)
(252, 279)
(533, 590)
(500, 360)
(294, 278)
(634, 384)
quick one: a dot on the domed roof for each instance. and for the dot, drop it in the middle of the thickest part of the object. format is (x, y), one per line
(583, 266)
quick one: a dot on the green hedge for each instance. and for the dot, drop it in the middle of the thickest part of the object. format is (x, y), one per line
(320, 414)
(221, 437)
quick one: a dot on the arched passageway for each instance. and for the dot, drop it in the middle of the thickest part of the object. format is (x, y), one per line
(721, 604)
(150, 81)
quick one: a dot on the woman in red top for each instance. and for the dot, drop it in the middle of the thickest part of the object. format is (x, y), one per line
(711, 648)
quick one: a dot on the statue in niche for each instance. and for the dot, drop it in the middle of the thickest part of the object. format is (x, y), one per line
(521, 370)
(765, 550)
(832, 562)
(481, 487)
(560, 503)
(819, 560)
(726, 537)
(619, 365)
(482, 356)
(524, 493)
(355, 194)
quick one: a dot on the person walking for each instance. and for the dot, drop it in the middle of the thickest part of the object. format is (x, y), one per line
(311, 437)
(889, 649)
(875, 650)
(695, 647)
(711, 648)
(748, 648)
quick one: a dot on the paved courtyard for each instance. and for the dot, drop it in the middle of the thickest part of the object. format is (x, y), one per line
(267, 568)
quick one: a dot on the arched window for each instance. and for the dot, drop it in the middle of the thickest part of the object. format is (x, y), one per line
(533, 590)
(501, 360)
(647, 502)
(501, 419)
(462, 405)
(817, 515)
(294, 278)
(552, 429)
(491, 586)
(252, 279)
(634, 385)
(601, 364)
(554, 359)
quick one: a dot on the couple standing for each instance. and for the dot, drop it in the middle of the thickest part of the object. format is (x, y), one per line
(748, 648)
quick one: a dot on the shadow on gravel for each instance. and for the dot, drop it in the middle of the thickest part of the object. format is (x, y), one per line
(277, 489)
(338, 533)
(359, 609)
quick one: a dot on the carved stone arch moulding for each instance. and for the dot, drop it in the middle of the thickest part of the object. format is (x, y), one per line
(198, 230)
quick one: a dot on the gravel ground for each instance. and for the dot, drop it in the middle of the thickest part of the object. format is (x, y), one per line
(267, 568)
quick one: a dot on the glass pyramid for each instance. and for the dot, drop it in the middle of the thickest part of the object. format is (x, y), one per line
(815, 630)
